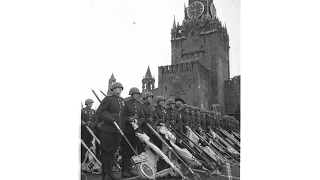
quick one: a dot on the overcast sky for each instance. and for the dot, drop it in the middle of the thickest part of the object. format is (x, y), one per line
(124, 37)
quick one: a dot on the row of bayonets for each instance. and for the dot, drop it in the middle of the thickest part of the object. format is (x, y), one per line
(222, 144)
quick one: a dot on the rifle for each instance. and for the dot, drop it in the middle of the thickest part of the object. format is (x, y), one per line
(209, 145)
(96, 95)
(227, 145)
(223, 149)
(207, 165)
(228, 140)
(196, 176)
(201, 148)
(95, 158)
(103, 93)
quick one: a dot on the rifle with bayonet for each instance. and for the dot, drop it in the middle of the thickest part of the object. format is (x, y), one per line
(103, 93)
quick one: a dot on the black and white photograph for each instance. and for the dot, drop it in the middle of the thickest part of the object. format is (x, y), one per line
(160, 92)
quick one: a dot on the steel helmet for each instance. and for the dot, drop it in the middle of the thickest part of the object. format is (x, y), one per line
(116, 85)
(197, 109)
(88, 101)
(170, 101)
(185, 106)
(159, 98)
(147, 94)
(179, 104)
(134, 90)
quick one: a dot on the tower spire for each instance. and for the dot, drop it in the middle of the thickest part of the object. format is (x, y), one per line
(174, 22)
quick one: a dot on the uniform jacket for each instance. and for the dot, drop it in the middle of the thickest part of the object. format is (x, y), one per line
(89, 115)
(185, 118)
(174, 119)
(150, 114)
(161, 113)
(114, 105)
(133, 109)
(203, 122)
(197, 122)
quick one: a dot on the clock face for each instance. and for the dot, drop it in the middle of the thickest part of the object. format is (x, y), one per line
(195, 10)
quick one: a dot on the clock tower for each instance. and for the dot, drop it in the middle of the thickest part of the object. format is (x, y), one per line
(203, 37)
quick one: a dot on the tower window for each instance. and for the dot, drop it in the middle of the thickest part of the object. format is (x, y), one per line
(165, 88)
(192, 33)
(204, 40)
(189, 86)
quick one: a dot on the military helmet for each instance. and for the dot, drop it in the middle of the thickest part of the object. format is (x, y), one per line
(202, 110)
(159, 98)
(170, 101)
(185, 106)
(88, 101)
(147, 94)
(191, 107)
(116, 85)
(179, 104)
(196, 108)
(134, 90)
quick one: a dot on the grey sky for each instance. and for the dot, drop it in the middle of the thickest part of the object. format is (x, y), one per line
(124, 37)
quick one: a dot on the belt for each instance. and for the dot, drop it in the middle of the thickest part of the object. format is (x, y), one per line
(116, 114)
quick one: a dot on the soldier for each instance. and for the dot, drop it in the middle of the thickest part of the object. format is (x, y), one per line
(163, 119)
(160, 109)
(185, 117)
(133, 113)
(88, 118)
(217, 121)
(110, 111)
(208, 121)
(151, 117)
(174, 117)
(203, 119)
(192, 117)
(197, 118)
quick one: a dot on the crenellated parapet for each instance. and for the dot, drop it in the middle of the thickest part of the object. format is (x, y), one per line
(177, 68)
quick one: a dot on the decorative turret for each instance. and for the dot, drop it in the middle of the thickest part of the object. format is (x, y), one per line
(148, 81)
(174, 22)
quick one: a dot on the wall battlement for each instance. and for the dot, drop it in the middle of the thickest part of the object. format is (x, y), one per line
(178, 68)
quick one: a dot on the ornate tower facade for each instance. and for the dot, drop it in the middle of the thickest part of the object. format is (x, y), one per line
(202, 37)
(148, 81)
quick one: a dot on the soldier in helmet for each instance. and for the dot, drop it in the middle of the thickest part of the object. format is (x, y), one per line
(185, 117)
(208, 121)
(217, 121)
(197, 121)
(151, 117)
(160, 109)
(192, 117)
(110, 111)
(133, 114)
(203, 119)
(88, 118)
(162, 117)
(174, 117)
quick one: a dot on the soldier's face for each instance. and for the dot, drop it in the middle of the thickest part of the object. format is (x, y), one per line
(117, 90)
(149, 99)
(135, 96)
(172, 106)
(161, 103)
(90, 105)
(187, 110)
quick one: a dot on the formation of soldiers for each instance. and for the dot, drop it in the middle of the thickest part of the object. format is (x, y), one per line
(114, 109)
